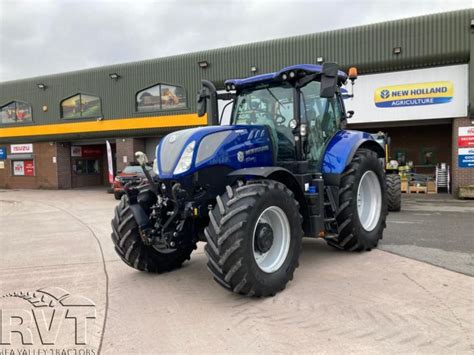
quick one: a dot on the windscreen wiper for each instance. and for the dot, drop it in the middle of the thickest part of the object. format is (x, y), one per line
(276, 99)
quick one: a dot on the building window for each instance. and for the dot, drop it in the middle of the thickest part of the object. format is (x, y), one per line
(16, 112)
(81, 106)
(161, 97)
(401, 156)
(86, 166)
(428, 156)
(23, 167)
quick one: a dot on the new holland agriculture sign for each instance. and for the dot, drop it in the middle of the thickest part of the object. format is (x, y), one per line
(430, 93)
(438, 92)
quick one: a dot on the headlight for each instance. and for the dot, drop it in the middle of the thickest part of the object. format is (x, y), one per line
(185, 161)
(118, 178)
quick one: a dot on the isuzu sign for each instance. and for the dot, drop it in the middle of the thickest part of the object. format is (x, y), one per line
(432, 93)
(21, 148)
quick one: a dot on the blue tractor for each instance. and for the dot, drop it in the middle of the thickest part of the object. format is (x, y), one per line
(285, 168)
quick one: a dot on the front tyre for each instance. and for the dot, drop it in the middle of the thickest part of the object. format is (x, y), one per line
(135, 253)
(362, 203)
(254, 238)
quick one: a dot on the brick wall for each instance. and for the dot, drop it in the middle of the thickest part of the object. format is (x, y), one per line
(460, 176)
(45, 170)
(63, 158)
(127, 147)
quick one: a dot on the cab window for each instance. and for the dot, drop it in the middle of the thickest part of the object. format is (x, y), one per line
(273, 107)
(323, 117)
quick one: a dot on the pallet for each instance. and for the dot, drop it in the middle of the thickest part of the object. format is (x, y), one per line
(418, 189)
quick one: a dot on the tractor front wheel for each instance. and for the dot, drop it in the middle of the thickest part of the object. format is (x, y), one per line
(254, 238)
(135, 253)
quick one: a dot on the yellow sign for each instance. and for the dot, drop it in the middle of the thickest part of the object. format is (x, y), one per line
(69, 127)
(432, 93)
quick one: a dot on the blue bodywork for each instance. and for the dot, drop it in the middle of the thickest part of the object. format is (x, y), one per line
(269, 78)
(254, 145)
(244, 146)
(341, 148)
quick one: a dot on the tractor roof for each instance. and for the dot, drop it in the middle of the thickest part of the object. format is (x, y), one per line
(275, 77)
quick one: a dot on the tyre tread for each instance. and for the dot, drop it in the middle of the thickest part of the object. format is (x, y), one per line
(224, 237)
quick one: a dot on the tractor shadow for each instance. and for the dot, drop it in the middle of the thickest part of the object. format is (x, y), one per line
(317, 251)
(317, 258)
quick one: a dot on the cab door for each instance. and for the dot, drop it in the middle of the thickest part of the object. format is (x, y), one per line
(323, 119)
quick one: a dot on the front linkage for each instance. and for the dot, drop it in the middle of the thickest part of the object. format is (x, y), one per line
(163, 219)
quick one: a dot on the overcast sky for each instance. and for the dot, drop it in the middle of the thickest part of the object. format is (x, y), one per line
(40, 37)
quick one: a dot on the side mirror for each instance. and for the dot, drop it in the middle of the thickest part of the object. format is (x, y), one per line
(202, 102)
(119, 171)
(141, 157)
(350, 113)
(208, 92)
(329, 80)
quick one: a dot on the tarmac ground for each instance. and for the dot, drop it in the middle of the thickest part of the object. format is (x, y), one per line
(62, 287)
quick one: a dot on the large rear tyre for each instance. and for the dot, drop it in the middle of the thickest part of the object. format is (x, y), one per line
(362, 203)
(394, 192)
(254, 238)
(134, 252)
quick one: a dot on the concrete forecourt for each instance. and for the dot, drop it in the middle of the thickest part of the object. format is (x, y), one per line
(60, 275)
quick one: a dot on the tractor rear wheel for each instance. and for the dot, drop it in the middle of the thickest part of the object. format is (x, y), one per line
(254, 238)
(362, 203)
(134, 252)
(394, 192)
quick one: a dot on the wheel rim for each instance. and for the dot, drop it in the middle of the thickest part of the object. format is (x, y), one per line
(369, 200)
(272, 259)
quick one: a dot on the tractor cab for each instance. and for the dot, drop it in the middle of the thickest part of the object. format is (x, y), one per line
(301, 106)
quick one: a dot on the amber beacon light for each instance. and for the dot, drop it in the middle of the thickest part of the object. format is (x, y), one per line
(352, 73)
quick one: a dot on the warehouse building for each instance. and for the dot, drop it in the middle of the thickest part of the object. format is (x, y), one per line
(416, 82)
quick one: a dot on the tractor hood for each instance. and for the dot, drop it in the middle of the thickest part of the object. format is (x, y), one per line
(185, 152)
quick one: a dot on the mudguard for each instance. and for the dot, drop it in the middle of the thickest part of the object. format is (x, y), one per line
(340, 151)
(264, 171)
(278, 173)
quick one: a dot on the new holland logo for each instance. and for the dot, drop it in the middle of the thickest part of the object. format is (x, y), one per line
(172, 138)
(384, 94)
(432, 93)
